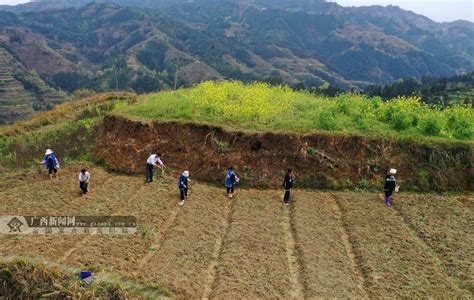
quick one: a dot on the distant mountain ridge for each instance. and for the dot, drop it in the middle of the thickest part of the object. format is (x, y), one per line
(150, 45)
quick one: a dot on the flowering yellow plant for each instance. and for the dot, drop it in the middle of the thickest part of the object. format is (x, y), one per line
(260, 106)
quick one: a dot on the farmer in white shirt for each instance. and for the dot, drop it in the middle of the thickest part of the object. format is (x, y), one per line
(84, 177)
(150, 164)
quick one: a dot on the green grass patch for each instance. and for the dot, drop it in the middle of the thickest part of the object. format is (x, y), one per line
(262, 107)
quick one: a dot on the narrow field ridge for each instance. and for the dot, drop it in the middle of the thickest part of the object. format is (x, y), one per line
(356, 266)
(294, 257)
(434, 253)
(360, 270)
(159, 240)
(216, 255)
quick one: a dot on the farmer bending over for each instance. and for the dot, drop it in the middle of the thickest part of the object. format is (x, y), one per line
(51, 163)
(150, 164)
(183, 184)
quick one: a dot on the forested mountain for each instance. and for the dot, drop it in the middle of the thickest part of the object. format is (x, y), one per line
(457, 89)
(151, 45)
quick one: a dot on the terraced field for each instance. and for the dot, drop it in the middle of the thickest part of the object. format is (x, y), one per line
(16, 101)
(332, 245)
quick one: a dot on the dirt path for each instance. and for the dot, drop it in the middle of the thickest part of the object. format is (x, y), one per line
(159, 240)
(394, 260)
(296, 290)
(217, 251)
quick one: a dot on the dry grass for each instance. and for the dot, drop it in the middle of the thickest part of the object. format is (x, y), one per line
(253, 259)
(394, 261)
(21, 279)
(446, 225)
(251, 246)
(329, 268)
(63, 113)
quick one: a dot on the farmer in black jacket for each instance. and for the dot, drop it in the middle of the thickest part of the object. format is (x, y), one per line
(389, 185)
(288, 185)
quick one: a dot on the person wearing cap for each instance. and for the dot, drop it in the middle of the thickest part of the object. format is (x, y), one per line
(389, 185)
(84, 177)
(51, 163)
(153, 161)
(183, 184)
(288, 185)
(231, 180)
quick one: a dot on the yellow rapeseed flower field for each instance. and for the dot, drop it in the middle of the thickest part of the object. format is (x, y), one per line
(260, 106)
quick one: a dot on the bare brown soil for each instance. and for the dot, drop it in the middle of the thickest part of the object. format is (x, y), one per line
(322, 161)
(329, 267)
(447, 227)
(341, 245)
(393, 259)
(254, 260)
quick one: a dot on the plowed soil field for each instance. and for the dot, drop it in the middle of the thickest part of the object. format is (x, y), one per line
(324, 245)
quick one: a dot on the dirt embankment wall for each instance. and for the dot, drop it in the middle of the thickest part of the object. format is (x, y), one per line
(321, 161)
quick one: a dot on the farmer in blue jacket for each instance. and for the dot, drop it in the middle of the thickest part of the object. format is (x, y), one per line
(51, 163)
(183, 184)
(231, 180)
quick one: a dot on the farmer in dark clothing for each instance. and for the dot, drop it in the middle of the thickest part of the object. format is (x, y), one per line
(231, 180)
(183, 184)
(288, 185)
(150, 164)
(51, 163)
(389, 185)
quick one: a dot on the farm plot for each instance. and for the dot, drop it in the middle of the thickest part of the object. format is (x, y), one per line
(324, 245)
(253, 260)
(446, 224)
(392, 258)
(184, 255)
(61, 197)
(155, 210)
(329, 268)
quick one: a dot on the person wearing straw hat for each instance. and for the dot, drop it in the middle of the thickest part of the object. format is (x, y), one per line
(51, 163)
(390, 185)
(183, 184)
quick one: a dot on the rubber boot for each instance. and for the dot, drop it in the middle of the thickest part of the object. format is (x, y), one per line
(387, 201)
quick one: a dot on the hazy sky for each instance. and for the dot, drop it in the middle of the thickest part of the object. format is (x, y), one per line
(438, 10)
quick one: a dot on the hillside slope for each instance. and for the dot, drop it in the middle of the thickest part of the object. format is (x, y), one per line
(22, 92)
(325, 244)
(109, 47)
